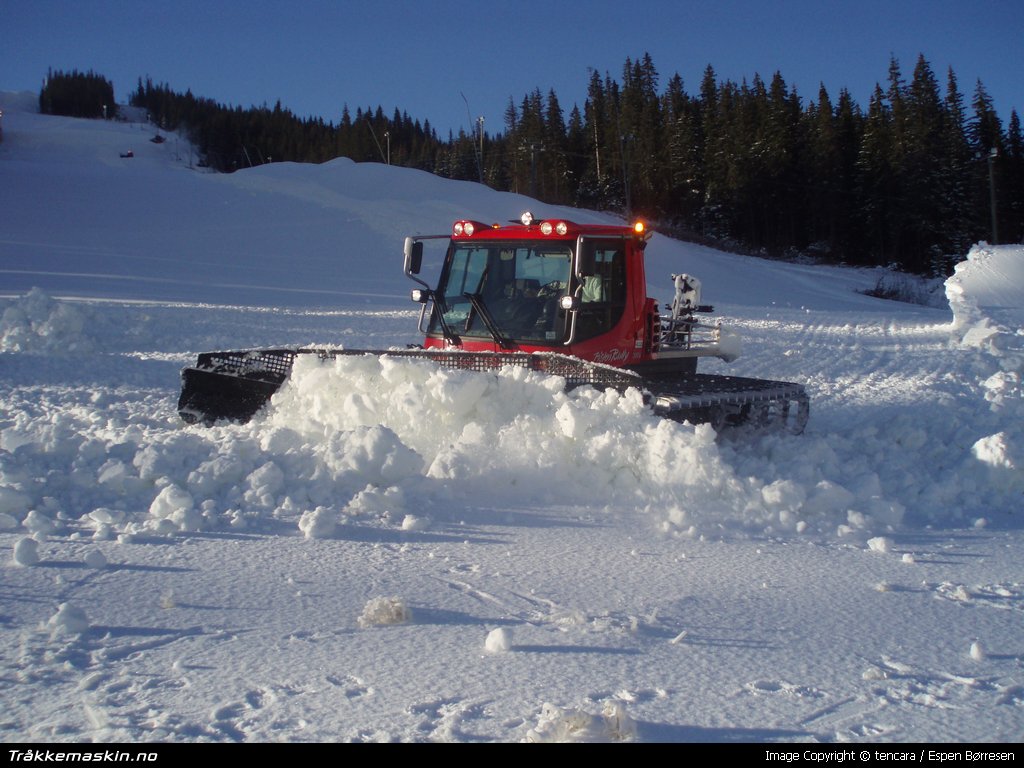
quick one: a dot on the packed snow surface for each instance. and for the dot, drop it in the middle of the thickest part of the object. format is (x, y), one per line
(393, 552)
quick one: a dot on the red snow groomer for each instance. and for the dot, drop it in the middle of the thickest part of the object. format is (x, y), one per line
(557, 297)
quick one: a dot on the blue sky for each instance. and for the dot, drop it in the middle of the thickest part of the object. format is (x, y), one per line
(449, 62)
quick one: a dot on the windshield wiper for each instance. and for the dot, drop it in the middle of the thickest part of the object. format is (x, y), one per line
(481, 309)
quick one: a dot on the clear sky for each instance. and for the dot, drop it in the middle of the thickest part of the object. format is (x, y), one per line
(449, 62)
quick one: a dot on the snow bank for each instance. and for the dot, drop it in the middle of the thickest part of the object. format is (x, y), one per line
(986, 294)
(38, 323)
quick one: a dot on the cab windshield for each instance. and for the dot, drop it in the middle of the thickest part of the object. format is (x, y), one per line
(506, 291)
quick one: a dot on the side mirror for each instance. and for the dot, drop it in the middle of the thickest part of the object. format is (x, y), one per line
(586, 264)
(413, 256)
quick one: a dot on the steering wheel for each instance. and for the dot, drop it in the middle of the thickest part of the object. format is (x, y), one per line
(549, 290)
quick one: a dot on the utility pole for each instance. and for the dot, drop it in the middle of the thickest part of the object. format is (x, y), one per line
(480, 130)
(625, 139)
(534, 148)
(479, 155)
(379, 147)
(992, 155)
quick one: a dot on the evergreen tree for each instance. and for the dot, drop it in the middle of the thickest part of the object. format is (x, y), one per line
(957, 175)
(985, 137)
(876, 184)
(1012, 226)
(926, 187)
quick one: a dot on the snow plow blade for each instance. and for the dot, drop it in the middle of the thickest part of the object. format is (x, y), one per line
(235, 385)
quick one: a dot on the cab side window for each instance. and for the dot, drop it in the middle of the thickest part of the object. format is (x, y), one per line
(603, 294)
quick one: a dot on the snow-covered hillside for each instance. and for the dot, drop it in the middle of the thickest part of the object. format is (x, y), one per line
(392, 552)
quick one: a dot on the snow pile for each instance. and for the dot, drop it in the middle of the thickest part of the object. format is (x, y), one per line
(355, 438)
(513, 436)
(38, 323)
(986, 294)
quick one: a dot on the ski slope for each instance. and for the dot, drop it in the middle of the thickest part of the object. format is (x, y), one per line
(396, 553)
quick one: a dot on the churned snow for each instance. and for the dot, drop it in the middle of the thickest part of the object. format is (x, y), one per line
(354, 563)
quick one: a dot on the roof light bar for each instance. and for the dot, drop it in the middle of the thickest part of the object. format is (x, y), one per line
(466, 228)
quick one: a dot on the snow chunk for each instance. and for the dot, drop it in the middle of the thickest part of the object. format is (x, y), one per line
(318, 523)
(498, 640)
(94, 558)
(568, 725)
(377, 500)
(383, 611)
(26, 551)
(265, 484)
(39, 524)
(998, 450)
(977, 651)
(881, 544)
(413, 523)
(828, 497)
(173, 509)
(69, 620)
(784, 494)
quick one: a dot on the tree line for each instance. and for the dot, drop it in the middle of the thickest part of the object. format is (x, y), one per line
(77, 94)
(230, 138)
(912, 180)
